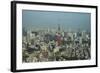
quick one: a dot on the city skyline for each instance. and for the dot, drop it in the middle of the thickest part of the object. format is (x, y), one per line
(51, 41)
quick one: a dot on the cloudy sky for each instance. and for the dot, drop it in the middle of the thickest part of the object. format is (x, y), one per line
(50, 19)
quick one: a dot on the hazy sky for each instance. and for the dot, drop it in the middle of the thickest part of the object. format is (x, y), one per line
(51, 19)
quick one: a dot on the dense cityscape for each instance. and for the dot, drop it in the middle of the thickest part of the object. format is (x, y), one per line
(44, 45)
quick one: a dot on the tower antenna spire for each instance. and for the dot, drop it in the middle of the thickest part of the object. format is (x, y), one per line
(59, 27)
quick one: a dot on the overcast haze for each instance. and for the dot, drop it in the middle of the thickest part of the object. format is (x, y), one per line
(51, 19)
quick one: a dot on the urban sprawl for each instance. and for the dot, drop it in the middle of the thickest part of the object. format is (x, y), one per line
(59, 45)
